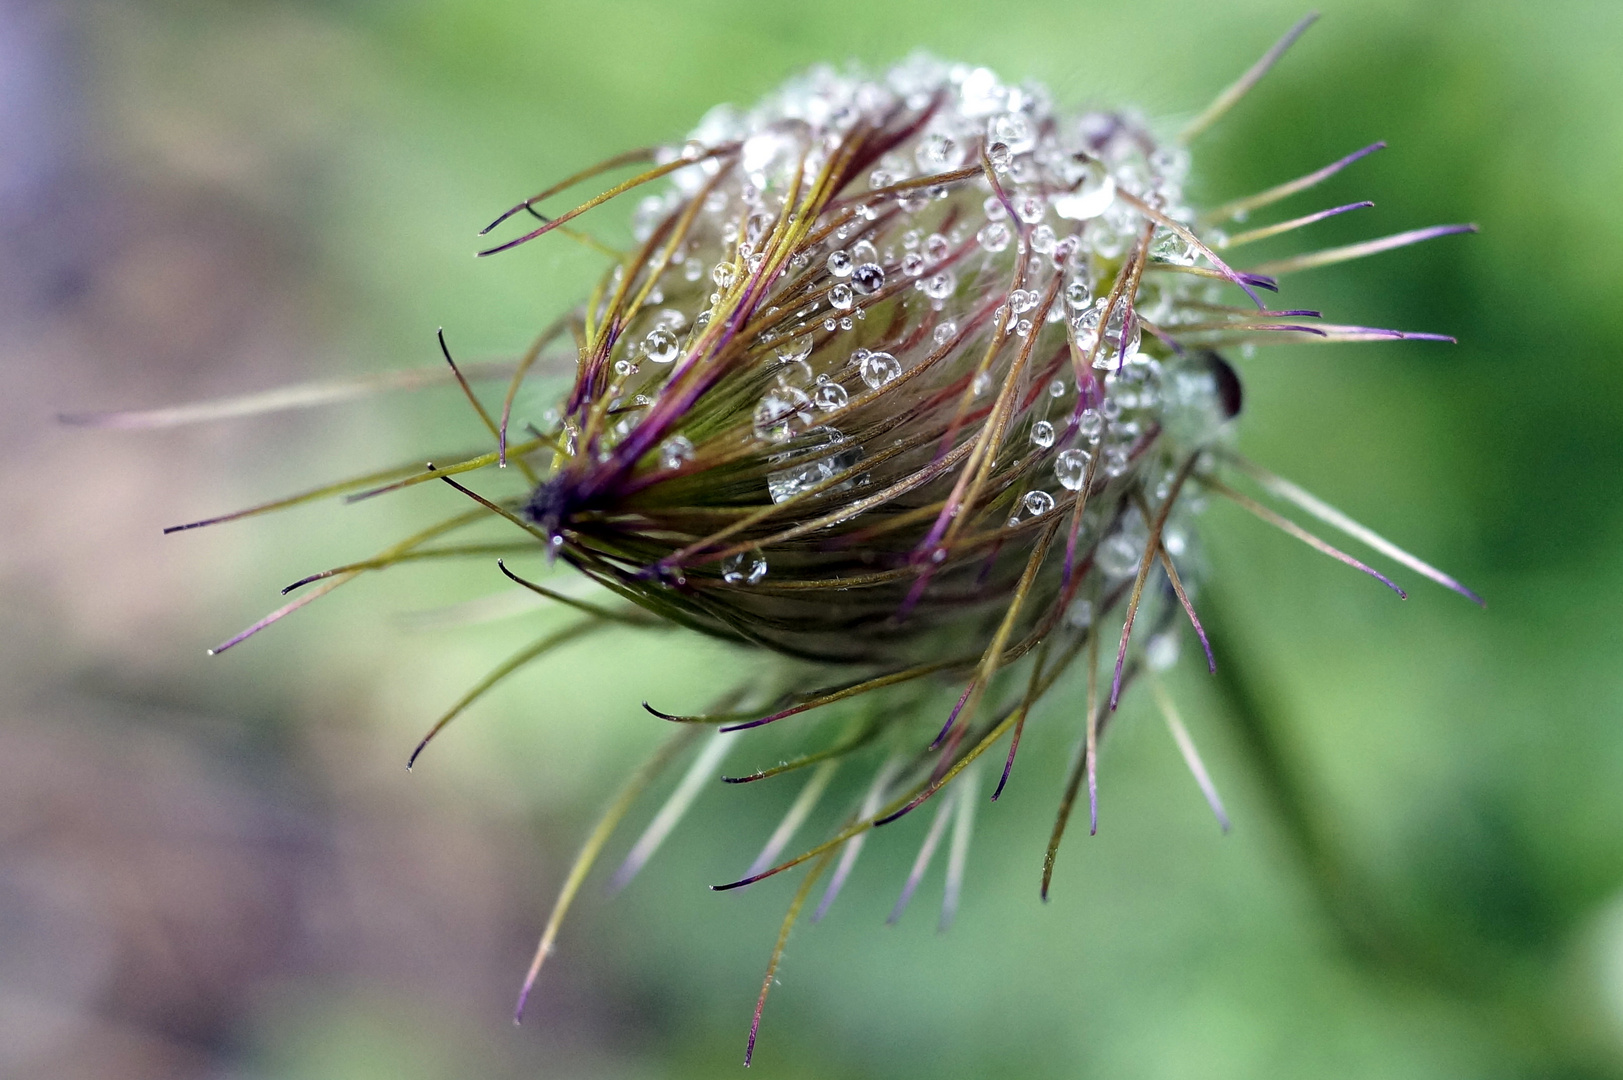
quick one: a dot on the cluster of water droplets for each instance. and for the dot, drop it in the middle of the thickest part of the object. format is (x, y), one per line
(1044, 224)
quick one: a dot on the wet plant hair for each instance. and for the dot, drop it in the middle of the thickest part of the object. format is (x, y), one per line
(913, 380)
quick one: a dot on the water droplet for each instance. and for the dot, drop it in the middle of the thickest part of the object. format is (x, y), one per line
(880, 368)
(1023, 300)
(768, 157)
(693, 269)
(757, 228)
(1070, 467)
(829, 396)
(999, 155)
(1014, 130)
(868, 278)
(940, 286)
(980, 384)
(744, 567)
(787, 483)
(1115, 461)
(1077, 294)
(624, 368)
(1079, 616)
(994, 236)
(938, 152)
(912, 264)
(840, 297)
(1169, 247)
(863, 251)
(981, 93)
(781, 411)
(945, 332)
(1056, 389)
(1042, 434)
(675, 452)
(646, 217)
(1037, 503)
(1089, 200)
(1031, 208)
(1043, 239)
(795, 349)
(1090, 423)
(1161, 651)
(669, 319)
(1118, 554)
(994, 209)
(723, 274)
(936, 247)
(840, 263)
(661, 346)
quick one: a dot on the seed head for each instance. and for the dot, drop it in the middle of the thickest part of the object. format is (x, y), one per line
(882, 340)
(914, 379)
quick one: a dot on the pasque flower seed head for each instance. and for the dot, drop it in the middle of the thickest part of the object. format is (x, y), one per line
(914, 379)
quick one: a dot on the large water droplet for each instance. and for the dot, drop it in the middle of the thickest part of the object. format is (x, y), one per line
(868, 278)
(829, 396)
(880, 368)
(795, 349)
(782, 411)
(1070, 467)
(938, 152)
(1042, 434)
(1037, 503)
(1013, 130)
(940, 286)
(1169, 247)
(661, 346)
(1118, 554)
(1089, 200)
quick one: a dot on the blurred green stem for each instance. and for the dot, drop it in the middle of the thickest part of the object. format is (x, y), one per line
(1529, 1024)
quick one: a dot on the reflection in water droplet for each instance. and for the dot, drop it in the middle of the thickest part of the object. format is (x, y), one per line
(744, 568)
(661, 346)
(1037, 503)
(868, 278)
(1070, 467)
(675, 452)
(880, 368)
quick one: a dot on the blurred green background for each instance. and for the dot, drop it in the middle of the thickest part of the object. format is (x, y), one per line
(218, 868)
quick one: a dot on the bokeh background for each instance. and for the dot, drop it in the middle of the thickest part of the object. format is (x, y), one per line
(219, 868)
